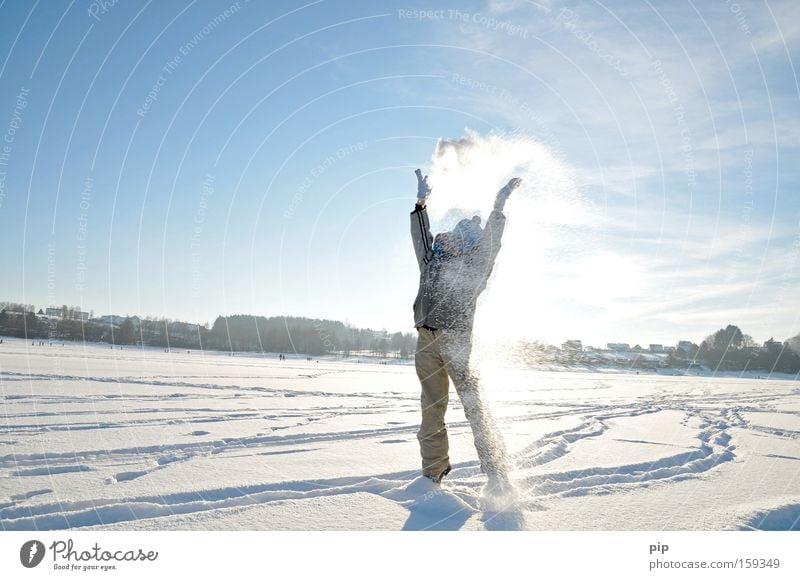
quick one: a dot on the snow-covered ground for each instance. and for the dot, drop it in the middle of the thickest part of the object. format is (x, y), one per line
(142, 439)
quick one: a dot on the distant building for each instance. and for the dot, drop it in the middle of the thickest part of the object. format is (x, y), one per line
(572, 346)
(80, 315)
(773, 345)
(619, 346)
(656, 348)
(54, 312)
(637, 348)
(686, 346)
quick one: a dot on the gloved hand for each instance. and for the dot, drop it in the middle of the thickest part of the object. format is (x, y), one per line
(423, 189)
(502, 195)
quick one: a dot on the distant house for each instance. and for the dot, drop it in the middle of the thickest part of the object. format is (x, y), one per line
(686, 347)
(57, 312)
(773, 345)
(80, 315)
(637, 348)
(656, 348)
(572, 346)
(619, 346)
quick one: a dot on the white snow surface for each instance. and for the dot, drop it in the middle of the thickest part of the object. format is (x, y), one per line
(135, 439)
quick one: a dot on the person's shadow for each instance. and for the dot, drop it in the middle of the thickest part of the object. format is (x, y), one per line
(449, 513)
(435, 509)
(508, 521)
(422, 519)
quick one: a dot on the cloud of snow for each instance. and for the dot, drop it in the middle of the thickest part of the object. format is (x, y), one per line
(548, 223)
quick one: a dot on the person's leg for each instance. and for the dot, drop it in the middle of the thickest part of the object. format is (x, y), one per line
(456, 351)
(432, 433)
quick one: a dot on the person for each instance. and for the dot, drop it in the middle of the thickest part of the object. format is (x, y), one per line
(454, 268)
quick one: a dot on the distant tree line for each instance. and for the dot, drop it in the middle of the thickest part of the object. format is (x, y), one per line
(727, 349)
(730, 349)
(18, 320)
(233, 333)
(306, 335)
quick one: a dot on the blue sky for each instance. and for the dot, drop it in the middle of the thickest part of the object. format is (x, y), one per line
(189, 159)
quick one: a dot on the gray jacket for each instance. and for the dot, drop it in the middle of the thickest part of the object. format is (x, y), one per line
(449, 287)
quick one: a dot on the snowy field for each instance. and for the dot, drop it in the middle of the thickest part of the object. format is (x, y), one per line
(94, 437)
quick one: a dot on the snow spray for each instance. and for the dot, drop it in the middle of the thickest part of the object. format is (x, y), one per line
(548, 228)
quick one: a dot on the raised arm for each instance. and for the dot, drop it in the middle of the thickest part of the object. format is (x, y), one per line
(420, 226)
(502, 195)
(495, 225)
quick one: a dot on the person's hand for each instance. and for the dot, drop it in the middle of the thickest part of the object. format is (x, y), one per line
(423, 189)
(503, 194)
(514, 183)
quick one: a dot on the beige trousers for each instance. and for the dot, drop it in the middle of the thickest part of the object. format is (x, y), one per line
(441, 355)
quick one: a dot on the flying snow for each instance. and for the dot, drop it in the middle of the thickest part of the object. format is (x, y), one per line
(549, 227)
